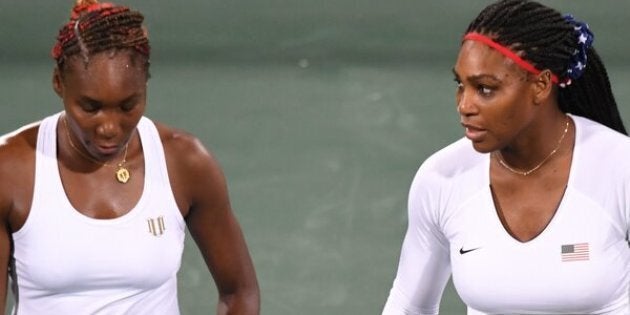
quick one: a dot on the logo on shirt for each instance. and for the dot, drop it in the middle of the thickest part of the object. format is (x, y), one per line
(156, 226)
(463, 251)
(575, 252)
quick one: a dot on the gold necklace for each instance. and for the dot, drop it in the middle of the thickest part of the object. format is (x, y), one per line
(122, 173)
(525, 173)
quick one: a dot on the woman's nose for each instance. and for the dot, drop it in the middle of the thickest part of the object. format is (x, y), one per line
(108, 128)
(465, 104)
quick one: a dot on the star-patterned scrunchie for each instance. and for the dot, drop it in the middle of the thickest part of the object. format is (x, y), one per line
(577, 63)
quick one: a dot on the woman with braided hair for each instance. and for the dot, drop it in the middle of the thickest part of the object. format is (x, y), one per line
(534, 216)
(95, 200)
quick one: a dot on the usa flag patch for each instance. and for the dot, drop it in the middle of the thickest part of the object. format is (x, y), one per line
(575, 252)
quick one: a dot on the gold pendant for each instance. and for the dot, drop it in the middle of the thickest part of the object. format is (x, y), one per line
(122, 175)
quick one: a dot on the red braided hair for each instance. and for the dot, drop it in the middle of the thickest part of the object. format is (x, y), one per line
(95, 27)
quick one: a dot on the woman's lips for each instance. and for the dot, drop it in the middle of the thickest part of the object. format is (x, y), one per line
(106, 150)
(474, 133)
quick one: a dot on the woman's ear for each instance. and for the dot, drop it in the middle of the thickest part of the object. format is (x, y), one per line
(542, 86)
(57, 82)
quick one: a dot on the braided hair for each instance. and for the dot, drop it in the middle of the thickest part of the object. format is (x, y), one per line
(98, 27)
(547, 40)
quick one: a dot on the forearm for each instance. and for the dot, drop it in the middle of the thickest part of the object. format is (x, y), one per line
(3, 302)
(5, 253)
(246, 302)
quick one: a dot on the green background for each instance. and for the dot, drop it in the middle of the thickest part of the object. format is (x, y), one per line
(320, 113)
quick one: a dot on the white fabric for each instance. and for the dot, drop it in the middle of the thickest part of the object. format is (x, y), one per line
(451, 209)
(68, 263)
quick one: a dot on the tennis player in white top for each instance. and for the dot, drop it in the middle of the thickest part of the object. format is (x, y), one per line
(530, 212)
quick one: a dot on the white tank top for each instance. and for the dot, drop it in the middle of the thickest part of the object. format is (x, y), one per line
(67, 263)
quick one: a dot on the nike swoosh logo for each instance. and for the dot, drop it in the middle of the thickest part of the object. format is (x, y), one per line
(463, 251)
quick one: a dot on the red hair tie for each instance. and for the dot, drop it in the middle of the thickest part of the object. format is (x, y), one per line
(508, 53)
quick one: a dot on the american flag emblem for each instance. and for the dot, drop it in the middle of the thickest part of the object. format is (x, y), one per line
(575, 252)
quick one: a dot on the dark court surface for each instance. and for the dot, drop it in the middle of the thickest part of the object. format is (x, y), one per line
(320, 113)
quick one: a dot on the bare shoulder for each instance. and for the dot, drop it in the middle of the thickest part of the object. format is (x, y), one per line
(184, 148)
(17, 165)
(17, 148)
(196, 177)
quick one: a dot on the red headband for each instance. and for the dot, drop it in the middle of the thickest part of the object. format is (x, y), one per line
(508, 53)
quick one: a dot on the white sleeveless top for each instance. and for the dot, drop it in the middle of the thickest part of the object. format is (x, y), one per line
(67, 263)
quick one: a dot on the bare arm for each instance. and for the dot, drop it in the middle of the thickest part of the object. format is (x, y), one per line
(5, 253)
(17, 171)
(5, 209)
(214, 227)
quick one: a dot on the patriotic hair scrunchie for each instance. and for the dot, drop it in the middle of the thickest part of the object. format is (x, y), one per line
(577, 62)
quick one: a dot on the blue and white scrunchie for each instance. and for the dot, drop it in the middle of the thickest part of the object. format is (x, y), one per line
(577, 62)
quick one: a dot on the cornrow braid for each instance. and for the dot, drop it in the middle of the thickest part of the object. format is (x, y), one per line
(542, 36)
(96, 27)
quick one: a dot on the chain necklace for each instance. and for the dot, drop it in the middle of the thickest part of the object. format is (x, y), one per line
(525, 173)
(122, 173)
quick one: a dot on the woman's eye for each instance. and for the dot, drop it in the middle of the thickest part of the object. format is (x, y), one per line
(484, 90)
(458, 84)
(89, 107)
(127, 107)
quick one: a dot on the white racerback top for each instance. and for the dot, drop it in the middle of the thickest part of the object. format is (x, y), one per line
(67, 263)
